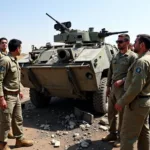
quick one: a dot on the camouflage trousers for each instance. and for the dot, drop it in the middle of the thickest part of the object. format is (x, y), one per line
(11, 116)
(114, 123)
(135, 126)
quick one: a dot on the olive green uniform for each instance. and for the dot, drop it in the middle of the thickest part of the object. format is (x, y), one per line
(117, 71)
(137, 105)
(3, 53)
(10, 88)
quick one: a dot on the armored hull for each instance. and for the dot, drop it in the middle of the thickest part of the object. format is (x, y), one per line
(78, 77)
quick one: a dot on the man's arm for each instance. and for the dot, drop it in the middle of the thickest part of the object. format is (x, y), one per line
(4, 66)
(137, 84)
(109, 76)
(21, 93)
(109, 80)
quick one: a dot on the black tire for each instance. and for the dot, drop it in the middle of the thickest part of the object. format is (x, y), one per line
(39, 100)
(100, 101)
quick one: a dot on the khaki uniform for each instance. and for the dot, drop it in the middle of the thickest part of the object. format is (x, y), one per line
(10, 135)
(137, 105)
(10, 88)
(117, 71)
(3, 53)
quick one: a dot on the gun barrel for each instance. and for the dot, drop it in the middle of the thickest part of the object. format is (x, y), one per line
(63, 27)
(111, 33)
(53, 18)
(63, 55)
(105, 34)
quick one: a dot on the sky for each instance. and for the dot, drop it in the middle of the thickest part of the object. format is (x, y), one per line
(26, 19)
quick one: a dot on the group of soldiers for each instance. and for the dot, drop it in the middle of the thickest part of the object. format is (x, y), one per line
(128, 91)
(10, 95)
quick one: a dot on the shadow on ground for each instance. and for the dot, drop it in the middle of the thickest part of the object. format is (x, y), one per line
(54, 113)
(95, 145)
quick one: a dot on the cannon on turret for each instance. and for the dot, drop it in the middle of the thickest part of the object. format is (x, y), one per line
(69, 36)
(75, 69)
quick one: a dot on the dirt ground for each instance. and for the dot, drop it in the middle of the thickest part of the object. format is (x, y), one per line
(54, 116)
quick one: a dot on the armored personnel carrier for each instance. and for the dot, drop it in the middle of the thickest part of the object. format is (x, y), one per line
(76, 69)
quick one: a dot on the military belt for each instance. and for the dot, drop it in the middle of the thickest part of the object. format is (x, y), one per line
(11, 92)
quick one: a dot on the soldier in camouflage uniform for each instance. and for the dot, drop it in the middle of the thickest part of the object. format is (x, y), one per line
(136, 99)
(3, 50)
(10, 95)
(116, 77)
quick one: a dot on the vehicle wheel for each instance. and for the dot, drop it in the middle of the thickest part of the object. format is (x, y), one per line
(100, 101)
(39, 100)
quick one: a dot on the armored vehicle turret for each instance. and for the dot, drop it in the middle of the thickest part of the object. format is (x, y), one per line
(76, 69)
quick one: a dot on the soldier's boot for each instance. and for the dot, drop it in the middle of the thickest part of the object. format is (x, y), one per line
(117, 143)
(110, 137)
(23, 143)
(4, 146)
(10, 135)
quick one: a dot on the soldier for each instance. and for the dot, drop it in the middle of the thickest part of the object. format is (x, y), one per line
(10, 105)
(3, 45)
(137, 99)
(116, 77)
(3, 50)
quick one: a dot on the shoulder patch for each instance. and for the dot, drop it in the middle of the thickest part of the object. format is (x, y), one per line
(2, 68)
(138, 70)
